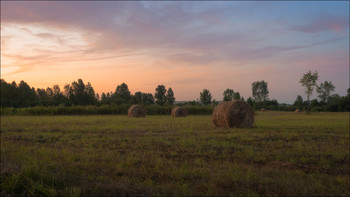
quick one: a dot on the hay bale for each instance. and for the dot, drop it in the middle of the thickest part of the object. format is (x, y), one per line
(137, 111)
(179, 112)
(297, 110)
(263, 109)
(233, 114)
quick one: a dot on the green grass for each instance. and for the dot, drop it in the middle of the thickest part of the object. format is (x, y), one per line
(284, 154)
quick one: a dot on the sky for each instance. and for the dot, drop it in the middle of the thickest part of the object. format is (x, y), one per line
(185, 45)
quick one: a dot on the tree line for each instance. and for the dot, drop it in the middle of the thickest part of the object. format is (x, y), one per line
(80, 94)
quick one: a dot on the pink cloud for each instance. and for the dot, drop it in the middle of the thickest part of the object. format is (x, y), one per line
(324, 22)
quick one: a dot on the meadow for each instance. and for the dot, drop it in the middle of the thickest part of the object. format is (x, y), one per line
(285, 154)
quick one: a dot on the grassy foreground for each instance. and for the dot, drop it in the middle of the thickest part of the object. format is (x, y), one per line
(285, 154)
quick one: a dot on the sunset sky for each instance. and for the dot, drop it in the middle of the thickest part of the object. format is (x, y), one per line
(187, 46)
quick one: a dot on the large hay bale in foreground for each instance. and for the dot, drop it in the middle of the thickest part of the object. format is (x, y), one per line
(137, 111)
(233, 114)
(179, 112)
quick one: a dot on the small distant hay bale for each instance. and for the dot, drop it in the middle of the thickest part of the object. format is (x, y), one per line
(137, 111)
(233, 114)
(263, 109)
(179, 112)
(297, 110)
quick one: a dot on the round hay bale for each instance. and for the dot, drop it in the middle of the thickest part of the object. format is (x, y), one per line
(179, 112)
(137, 111)
(263, 109)
(233, 114)
(297, 110)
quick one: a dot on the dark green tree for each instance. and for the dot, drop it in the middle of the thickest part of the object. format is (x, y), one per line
(205, 97)
(9, 95)
(80, 94)
(250, 101)
(260, 91)
(147, 99)
(324, 91)
(160, 95)
(298, 103)
(237, 96)
(122, 94)
(333, 104)
(106, 98)
(137, 98)
(27, 95)
(228, 95)
(309, 82)
(170, 99)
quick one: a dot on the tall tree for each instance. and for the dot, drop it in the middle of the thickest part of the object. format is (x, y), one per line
(228, 95)
(205, 97)
(309, 82)
(324, 91)
(170, 99)
(260, 91)
(122, 94)
(160, 95)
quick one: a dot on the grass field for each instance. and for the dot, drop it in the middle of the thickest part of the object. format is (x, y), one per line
(284, 154)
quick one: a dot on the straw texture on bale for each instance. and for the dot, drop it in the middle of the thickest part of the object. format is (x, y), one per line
(179, 112)
(233, 114)
(137, 111)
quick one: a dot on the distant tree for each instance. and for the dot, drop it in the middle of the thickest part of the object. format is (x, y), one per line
(27, 95)
(236, 96)
(260, 91)
(298, 103)
(309, 82)
(137, 98)
(43, 98)
(345, 102)
(9, 94)
(122, 94)
(250, 101)
(57, 95)
(147, 99)
(314, 103)
(98, 97)
(324, 91)
(160, 95)
(215, 102)
(170, 99)
(105, 99)
(205, 97)
(80, 94)
(334, 103)
(228, 95)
